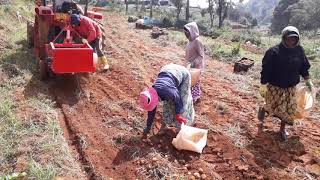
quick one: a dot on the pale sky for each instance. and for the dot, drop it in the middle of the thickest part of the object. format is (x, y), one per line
(204, 3)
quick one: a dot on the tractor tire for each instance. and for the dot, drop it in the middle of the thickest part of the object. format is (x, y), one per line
(30, 34)
(103, 42)
(43, 70)
(103, 35)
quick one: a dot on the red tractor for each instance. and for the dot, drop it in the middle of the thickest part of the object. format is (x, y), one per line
(57, 46)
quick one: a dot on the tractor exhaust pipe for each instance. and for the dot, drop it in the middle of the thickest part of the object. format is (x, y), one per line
(86, 8)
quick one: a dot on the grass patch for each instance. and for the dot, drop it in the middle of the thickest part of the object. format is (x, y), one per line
(178, 37)
(31, 139)
(119, 139)
(39, 171)
(36, 139)
(315, 70)
(234, 132)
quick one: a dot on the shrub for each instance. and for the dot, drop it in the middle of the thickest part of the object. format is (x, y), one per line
(236, 50)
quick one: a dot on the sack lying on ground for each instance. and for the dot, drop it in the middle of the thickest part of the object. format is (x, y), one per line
(190, 138)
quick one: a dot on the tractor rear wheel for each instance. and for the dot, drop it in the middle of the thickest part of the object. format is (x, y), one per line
(103, 35)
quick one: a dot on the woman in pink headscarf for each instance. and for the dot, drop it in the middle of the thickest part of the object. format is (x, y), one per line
(173, 87)
(194, 55)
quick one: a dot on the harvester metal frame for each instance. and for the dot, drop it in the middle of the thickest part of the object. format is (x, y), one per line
(54, 55)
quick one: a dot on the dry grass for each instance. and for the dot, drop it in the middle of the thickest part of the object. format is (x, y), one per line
(119, 139)
(118, 122)
(36, 139)
(221, 107)
(235, 133)
(133, 151)
(160, 169)
(112, 106)
(300, 171)
(211, 126)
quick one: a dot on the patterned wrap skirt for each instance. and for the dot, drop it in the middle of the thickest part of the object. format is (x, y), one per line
(281, 103)
(169, 113)
(196, 91)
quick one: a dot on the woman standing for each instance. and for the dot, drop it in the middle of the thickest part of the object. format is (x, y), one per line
(282, 67)
(194, 55)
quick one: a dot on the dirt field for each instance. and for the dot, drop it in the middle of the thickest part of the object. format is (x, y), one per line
(103, 122)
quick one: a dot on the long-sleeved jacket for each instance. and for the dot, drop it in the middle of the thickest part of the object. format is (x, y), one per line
(283, 66)
(88, 29)
(194, 48)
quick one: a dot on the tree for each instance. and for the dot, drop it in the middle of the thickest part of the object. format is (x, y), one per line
(235, 14)
(203, 12)
(211, 12)
(187, 10)
(281, 15)
(151, 8)
(262, 10)
(222, 10)
(254, 22)
(126, 3)
(305, 14)
(178, 4)
(137, 5)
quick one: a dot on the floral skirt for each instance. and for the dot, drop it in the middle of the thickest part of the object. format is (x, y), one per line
(196, 91)
(169, 113)
(281, 103)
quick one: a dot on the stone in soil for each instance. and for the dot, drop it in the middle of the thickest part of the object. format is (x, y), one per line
(314, 169)
(216, 175)
(154, 159)
(181, 161)
(243, 168)
(197, 175)
(203, 176)
(200, 170)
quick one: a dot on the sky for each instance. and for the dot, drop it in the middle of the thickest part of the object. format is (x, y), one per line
(204, 3)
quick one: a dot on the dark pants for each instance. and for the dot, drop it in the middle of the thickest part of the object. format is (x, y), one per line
(97, 46)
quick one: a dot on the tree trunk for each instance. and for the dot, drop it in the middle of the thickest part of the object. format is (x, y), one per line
(225, 11)
(137, 4)
(126, 2)
(211, 20)
(220, 8)
(187, 10)
(210, 9)
(151, 6)
(178, 14)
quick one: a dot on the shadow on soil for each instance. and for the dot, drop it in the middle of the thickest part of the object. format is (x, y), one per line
(270, 151)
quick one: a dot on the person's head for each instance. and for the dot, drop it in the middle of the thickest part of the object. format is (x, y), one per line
(75, 19)
(148, 99)
(191, 30)
(290, 36)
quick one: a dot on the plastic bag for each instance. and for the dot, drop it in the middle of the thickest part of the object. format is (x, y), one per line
(195, 75)
(190, 138)
(305, 101)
